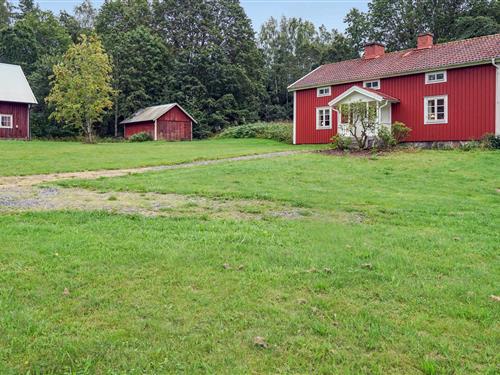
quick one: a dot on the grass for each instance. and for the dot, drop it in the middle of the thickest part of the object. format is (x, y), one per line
(23, 158)
(394, 276)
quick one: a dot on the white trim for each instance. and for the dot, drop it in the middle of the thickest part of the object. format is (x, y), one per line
(156, 130)
(497, 100)
(401, 74)
(319, 95)
(318, 109)
(295, 117)
(191, 130)
(372, 81)
(11, 121)
(441, 121)
(429, 82)
(308, 74)
(358, 90)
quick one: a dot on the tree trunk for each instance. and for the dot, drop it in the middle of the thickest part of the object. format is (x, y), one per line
(88, 127)
(116, 118)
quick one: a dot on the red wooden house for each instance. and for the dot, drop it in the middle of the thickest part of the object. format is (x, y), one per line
(16, 98)
(443, 92)
(168, 122)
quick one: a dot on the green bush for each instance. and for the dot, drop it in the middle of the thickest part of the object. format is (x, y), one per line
(281, 132)
(141, 137)
(469, 146)
(490, 141)
(339, 142)
(400, 131)
(385, 138)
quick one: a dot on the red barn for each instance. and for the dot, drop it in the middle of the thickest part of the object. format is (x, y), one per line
(168, 122)
(16, 98)
(443, 92)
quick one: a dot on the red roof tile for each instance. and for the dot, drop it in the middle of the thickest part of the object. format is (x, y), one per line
(461, 52)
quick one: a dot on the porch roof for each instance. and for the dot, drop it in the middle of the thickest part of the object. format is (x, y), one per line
(375, 95)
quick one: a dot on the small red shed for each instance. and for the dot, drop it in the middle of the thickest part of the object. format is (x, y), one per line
(16, 98)
(169, 122)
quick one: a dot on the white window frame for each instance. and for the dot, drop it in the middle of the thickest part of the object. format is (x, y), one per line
(11, 121)
(428, 81)
(318, 126)
(426, 110)
(365, 84)
(328, 93)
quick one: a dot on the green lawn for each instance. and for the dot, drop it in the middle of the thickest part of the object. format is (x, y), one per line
(22, 158)
(390, 270)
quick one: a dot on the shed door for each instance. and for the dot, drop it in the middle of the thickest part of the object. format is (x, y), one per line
(174, 130)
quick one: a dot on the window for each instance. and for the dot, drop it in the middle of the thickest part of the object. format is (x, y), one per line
(323, 91)
(436, 109)
(375, 85)
(6, 121)
(435, 77)
(324, 118)
(347, 112)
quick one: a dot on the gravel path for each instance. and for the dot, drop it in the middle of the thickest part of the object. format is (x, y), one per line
(41, 178)
(20, 193)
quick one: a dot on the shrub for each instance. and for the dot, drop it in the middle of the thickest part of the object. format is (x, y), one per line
(385, 138)
(339, 142)
(400, 131)
(141, 137)
(469, 146)
(490, 141)
(281, 132)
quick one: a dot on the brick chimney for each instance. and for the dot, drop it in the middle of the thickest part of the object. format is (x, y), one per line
(425, 40)
(373, 50)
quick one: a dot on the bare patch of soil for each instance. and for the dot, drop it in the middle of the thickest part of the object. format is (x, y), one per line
(32, 198)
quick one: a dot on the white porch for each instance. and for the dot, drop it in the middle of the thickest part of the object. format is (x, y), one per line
(356, 94)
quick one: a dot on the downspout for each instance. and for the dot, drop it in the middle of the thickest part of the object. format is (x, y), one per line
(497, 100)
(338, 117)
(156, 130)
(380, 112)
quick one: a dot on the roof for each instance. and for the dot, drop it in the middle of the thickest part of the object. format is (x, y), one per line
(474, 51)
(14, 86)
(374, 94)
(153, 113)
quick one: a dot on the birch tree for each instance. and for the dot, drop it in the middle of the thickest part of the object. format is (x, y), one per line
(81, 89)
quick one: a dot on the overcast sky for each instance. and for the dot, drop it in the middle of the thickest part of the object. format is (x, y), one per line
(328, 12)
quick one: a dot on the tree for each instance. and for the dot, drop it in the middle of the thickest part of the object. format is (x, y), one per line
(5, 13)
(25, 7)
(216, 60)
(360, 120)
(292, 48)
(85, 14)
(142, 70)
(81, 86)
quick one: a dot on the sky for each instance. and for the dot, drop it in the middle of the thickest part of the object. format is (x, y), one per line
(327, 12)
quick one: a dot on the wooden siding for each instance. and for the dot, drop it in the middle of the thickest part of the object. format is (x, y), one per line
(471, 106)
(131, 129)
(20, 118)
(175, 125)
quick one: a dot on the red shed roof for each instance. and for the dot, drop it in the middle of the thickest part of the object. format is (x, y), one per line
(474, 51)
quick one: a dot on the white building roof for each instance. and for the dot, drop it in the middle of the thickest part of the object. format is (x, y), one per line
(14, 86)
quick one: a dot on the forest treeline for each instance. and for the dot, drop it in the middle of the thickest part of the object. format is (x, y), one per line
(205, 54)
